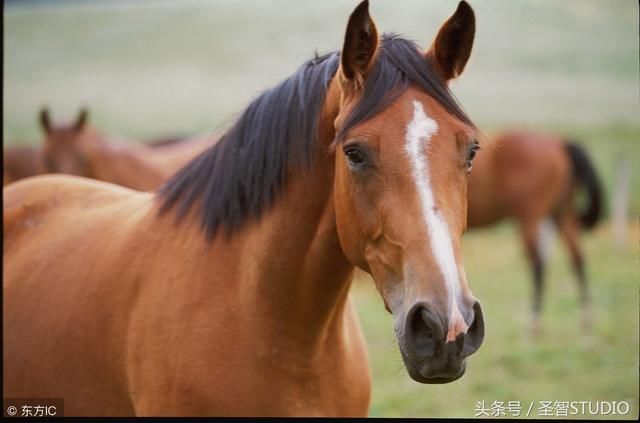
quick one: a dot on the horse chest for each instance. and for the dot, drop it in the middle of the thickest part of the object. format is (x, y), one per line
(255, 376)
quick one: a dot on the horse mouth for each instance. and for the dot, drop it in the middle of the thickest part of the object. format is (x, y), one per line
(437, 380)
(426, 375)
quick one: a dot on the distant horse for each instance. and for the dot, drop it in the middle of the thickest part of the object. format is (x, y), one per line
(69, 147)
(21, 162)
(533, 178)
(78, 149)
(227, 293)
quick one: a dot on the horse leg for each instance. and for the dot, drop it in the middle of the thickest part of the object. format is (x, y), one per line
(569, 228)
(530, 230)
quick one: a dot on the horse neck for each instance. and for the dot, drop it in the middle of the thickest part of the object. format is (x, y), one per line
(304, 275)
(295, 269)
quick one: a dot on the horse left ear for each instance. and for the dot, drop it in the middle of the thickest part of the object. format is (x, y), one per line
(452, 46)
(360, 45)
(82, 119)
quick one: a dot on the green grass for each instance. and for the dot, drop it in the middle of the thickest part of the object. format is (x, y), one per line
(147, 68)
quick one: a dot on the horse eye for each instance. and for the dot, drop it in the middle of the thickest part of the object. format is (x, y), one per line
(355, 156)
(471, 154)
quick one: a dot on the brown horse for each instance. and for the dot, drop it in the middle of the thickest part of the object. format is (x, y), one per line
(20, 162)
(69, 148)
(533, 178)
(227, 293)
(78, 149)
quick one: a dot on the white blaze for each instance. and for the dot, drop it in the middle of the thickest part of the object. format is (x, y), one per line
(419, 133)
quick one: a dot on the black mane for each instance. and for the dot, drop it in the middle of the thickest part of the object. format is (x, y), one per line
(241, 176)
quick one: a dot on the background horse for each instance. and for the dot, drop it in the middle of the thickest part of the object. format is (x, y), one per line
(21, 162)
(78, 149)
(68, 147)
(534, 178)
(228, 292)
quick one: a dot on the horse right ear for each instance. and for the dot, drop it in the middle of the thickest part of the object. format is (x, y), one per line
(81, 121)
(452, 47)
(360, 45)
(45, 121)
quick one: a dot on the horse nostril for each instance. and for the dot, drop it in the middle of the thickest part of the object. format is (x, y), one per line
(460, 342)
(425, 331)
(428, 330)
(475, 334)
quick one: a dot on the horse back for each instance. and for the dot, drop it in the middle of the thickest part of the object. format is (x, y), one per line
(40, 203)
(521, 173)
(535, 172)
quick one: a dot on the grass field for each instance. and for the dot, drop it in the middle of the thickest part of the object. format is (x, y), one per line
(151, 67)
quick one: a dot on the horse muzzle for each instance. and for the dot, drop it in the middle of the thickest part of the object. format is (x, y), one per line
(427, 354)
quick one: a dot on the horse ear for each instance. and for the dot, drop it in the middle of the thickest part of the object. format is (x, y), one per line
(82, 119)
(360, 45)
(452, 46)
(45, 121)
